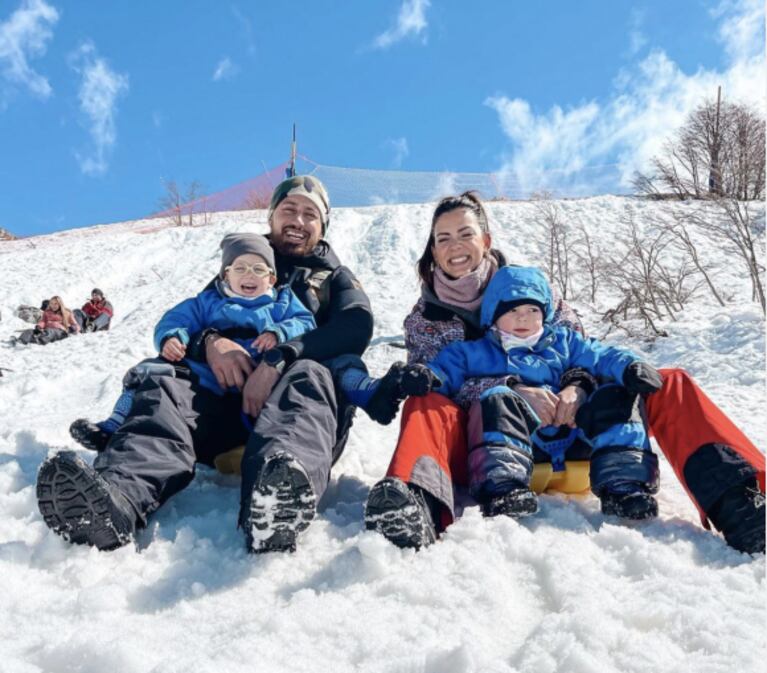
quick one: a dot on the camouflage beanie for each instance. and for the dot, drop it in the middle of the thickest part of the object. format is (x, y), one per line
(303, 185)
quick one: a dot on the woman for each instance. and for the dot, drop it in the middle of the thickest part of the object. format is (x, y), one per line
(721, 470)
(56, 323)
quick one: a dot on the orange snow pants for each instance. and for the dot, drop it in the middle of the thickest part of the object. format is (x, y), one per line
(432, 450)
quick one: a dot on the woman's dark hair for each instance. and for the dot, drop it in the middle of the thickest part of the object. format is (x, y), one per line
(468, 201)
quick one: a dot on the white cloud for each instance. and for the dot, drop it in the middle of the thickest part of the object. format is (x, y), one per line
(247, 29)
(411, 21)
(399, 148)
(23, 36)
(742, 28)
(595, 147)
(99, 90)
(637, 38)
(224, 70)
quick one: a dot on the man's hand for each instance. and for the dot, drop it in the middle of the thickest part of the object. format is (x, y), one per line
(264, 342)
(258, 388)
(570, 398)
(173, 350)
(543, 402)
(229, 362)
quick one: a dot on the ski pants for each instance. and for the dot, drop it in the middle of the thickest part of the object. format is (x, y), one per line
(431, 451)
(304, 418)
(611, 419)
(41, 336)
(707, 451)
(100, 322)
(175, 423)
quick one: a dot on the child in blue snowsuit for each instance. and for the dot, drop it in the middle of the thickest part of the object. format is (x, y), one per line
(521, 343)
(241, 304)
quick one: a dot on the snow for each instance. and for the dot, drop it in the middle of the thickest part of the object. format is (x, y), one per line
(567, 590)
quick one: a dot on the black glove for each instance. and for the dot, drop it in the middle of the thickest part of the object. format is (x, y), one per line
(384, 403)
(418, 380)
(641, 378)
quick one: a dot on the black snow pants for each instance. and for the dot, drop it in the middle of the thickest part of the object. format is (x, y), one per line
(174, 423)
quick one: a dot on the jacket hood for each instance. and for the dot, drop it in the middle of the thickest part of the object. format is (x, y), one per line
(513, 283)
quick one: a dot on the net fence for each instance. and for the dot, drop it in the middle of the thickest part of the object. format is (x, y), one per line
(350, 187)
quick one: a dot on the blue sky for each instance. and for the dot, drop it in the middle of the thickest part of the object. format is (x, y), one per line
(101, 102)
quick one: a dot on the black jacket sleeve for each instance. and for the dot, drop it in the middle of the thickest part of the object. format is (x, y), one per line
(345, 327)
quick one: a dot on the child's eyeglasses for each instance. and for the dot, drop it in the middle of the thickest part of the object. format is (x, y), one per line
(258, 269)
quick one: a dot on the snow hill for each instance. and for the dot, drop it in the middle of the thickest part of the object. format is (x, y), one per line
(565, 591)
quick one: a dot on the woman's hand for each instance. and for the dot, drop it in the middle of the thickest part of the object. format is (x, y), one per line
(263, 342)
(543, 402)
(173, 350)
(229, 362)
(570, 399)
(258, 388)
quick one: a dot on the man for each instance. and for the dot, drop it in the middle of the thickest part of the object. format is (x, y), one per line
(95, 314)
(301, 423)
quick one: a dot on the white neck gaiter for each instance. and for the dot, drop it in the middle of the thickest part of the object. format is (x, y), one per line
(509, 341)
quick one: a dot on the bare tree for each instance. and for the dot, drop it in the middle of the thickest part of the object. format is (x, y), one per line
(735, 226)
(551, 239)
(650, 287)
(170, 204)
(718, 151)
(587, 253)
(184, 208)
(684, 241)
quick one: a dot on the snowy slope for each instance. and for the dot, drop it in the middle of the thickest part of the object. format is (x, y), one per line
(564, 591)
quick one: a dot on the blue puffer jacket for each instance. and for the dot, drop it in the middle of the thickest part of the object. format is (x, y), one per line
(543, 364)
(238, 318)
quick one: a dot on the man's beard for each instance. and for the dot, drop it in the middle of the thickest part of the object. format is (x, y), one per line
(293, 248)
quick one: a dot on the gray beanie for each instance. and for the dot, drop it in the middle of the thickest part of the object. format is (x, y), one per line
(234, 245)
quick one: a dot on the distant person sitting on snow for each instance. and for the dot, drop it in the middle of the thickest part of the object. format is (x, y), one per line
(56, 323)
(521, 343)
(96, 313)
(242, 304)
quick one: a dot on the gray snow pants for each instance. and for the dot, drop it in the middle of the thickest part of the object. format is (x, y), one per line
(175, 423)
(304, 417)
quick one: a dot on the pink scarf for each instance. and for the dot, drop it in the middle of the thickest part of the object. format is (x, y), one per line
(465, 292)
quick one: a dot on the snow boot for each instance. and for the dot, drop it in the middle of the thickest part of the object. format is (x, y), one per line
(89, 435)
(282, 505)
(634, 504)
(404, 514)
(516, 504)
(739, 516)
(79, 505)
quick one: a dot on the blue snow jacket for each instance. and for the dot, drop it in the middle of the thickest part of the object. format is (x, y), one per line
(543, 364)
(237, 318)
